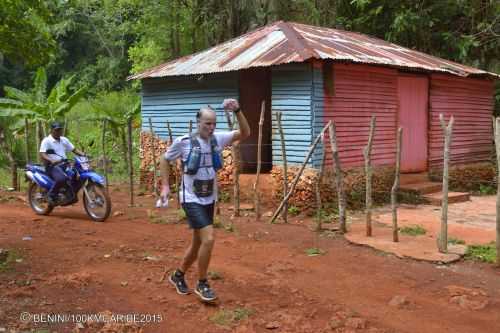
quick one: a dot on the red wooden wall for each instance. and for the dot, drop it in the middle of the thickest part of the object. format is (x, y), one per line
(470, 101)
(360, 91)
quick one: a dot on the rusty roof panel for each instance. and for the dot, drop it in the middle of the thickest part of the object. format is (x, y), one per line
(285, 42)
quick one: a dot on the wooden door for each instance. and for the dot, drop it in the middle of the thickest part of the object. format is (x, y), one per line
(413, 117)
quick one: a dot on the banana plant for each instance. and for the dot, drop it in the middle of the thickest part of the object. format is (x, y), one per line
(36, 104)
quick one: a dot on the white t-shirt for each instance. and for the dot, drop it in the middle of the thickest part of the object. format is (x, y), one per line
(61, 147)
(181, 148)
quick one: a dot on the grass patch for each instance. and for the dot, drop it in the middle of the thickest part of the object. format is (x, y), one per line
(413, 230)
(314, 251)
(484, 253)
(181, 214)
(293, 210)
(10, 261)
(487, 189)
(456, 241)
(225, 317)
(214, 275)
(224, 196)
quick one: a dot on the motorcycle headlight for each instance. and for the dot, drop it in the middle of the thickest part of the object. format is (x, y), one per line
(85, 166)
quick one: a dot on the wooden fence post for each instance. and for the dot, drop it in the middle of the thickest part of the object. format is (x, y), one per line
(319, 213)
(130, 160)
(153, 154)
(259, 150)
(104, 157)
(368, 174)
(395, 188)
(339, 182)
(297, 177)
(38, 133)
(235, 152)
(285, 167)
(496, 124)
(177, 184)
(27, 140)
(190, 129)
(443, 235)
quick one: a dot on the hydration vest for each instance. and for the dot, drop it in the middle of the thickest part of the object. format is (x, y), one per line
(192, 164)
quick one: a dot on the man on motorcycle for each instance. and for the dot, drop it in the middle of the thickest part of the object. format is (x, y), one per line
(61, 145)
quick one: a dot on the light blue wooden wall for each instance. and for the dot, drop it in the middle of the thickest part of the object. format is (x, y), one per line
(177, 99)
(296, 89)
(318, 121)
(292, 86)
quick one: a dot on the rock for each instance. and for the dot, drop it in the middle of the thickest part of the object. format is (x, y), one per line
(336, 323)
(107, 256)
(357, 323)
(272, 325)
(399, 301)
(124, 283)
(466, 303)
(3, 255)
(118, 213)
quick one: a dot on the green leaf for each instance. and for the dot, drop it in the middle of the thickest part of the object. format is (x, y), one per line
(13, 112)
(20, 95)
(40, 85)
(10, 102)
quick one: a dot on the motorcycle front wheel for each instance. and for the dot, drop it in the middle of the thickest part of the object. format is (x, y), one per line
(37, 197)
(96, 202)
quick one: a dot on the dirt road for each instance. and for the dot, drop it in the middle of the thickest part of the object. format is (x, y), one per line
(265, 280)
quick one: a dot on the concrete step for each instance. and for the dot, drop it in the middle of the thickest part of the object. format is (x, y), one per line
(412, 178)
(422, 187)
(453, 197)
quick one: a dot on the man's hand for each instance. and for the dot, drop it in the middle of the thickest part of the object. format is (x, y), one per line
(231, 104)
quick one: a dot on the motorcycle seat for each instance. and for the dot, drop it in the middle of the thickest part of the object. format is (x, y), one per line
(39, 168)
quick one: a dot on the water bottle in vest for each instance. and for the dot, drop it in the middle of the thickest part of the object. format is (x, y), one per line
(193, 161)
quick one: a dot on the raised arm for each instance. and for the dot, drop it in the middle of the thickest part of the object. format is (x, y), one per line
(244, 130)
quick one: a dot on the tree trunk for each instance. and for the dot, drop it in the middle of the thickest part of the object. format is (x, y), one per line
(297, 177)
(368, 174)
(130, 163)
(443, 235)
(339, 182)
(285, 167)
(259, 149)
(395, 187)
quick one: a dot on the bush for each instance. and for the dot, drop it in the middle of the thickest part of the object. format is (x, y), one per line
(479, 178)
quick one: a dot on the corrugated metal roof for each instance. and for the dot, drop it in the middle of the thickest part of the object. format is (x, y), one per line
(285, 42)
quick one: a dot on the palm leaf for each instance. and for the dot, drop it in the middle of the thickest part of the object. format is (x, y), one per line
(40, 85)
(20, 95)
(13, 112)
(10, 102)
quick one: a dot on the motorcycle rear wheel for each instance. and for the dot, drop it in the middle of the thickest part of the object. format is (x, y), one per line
(99, 208)
(37, 197)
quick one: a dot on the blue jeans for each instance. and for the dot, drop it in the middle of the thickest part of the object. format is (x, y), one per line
(199, 216)
(59, 177)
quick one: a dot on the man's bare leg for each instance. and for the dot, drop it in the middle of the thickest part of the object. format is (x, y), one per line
(192, 252)
(206, 236)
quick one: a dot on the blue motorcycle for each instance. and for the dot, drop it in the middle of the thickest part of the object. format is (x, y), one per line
(96, 200)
